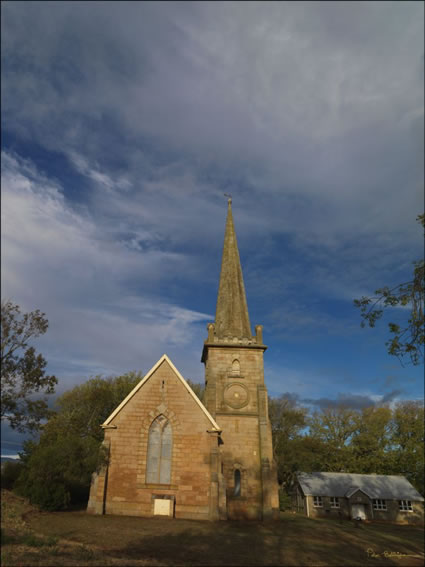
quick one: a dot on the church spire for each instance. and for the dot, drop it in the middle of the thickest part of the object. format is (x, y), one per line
(231, 317)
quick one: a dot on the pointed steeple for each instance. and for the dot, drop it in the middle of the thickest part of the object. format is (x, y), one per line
(231, 317)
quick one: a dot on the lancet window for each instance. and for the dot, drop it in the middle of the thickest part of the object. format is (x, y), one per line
(160, 449)
(237, 490)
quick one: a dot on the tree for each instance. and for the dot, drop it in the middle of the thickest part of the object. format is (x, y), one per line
(407, 440)
(374, 440)
(371, 441)
(84, 408)
(198, 389)
(407, 340)
(334, 428)
(287, 421)
(57, 470)
(335, 425)
(22, 369)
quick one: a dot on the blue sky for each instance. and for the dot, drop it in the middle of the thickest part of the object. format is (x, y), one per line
(123, 125)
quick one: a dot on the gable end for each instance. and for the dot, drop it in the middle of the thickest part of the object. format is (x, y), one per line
(164, 357)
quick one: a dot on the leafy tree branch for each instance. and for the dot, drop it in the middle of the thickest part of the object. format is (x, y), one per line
(407, 341)
(22, 369)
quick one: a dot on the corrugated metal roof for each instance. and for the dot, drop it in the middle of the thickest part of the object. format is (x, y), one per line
(385, 487)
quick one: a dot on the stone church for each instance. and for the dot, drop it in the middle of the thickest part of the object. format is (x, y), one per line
(170, 454)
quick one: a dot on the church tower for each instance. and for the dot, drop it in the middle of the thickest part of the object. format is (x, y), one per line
(236, 396)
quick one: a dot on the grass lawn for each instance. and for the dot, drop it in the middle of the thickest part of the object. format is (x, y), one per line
(30, 537)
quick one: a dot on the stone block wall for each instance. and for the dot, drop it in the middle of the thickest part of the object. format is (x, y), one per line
(237, 397)
(240, 451)
(220, 374)
(193, 484)
(326, 511)
(392, 514)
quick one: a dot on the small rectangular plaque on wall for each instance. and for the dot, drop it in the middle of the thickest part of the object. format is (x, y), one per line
(163, 507)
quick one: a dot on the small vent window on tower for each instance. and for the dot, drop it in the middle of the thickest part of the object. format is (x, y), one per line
(160, 448)
(236, 367)
(237, 491)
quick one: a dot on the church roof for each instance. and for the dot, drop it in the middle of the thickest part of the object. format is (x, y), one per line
(381, 486)
(231, 318)
(163, 358)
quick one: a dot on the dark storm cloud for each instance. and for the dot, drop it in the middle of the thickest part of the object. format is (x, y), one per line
(290, 396)
(391, 395)
(352, 401)
(11, 440)
(270, 90)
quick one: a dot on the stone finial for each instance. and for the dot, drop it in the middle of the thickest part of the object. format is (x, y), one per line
(259, 334)
(210, 329)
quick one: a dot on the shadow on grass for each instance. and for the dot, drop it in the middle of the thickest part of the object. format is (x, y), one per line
(190, 547)
(253, 545)
(293, 541)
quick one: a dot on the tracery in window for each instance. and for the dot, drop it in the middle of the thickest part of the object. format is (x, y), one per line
(160, 447)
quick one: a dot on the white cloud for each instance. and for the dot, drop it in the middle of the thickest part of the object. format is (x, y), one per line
(56, 260)
(98, 177)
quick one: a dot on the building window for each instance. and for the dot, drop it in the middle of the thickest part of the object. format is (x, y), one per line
(237, 491)
(236, 367)
(334, 502)
(160, 445)
(379, 504)
(317, 502)
(405, 505)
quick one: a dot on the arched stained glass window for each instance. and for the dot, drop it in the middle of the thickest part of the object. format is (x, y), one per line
(160, 449)
(237, 491)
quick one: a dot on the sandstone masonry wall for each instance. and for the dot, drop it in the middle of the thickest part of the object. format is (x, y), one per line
(127, 491)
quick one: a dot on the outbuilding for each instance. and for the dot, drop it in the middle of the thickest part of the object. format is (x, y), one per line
(366, 496)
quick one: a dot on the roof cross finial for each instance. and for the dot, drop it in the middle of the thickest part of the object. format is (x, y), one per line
(229, 200)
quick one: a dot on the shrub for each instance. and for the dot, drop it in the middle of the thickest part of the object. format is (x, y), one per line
(284, 500)
(57, 469)
(10, 472)
(42, 480)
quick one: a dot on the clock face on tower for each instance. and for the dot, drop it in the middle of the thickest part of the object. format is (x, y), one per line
(236, 395)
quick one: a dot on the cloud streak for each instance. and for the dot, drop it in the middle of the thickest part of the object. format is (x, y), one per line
(235, 89)
(125, 123)
(79, 277)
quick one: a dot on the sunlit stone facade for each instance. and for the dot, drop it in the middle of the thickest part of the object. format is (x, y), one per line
(170, 454)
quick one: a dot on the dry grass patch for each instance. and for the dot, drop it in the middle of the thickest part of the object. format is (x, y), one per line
(75, 538)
